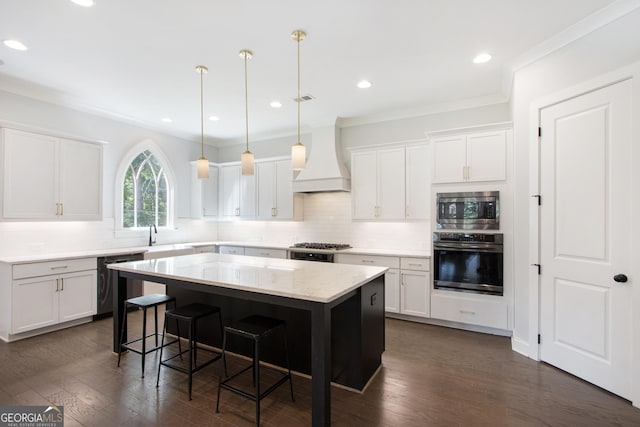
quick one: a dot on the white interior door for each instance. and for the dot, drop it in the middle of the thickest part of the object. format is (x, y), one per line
(585, 182)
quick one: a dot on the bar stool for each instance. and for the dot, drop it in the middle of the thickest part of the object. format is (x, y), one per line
(189, 314)
(143, 302)
(256, 328)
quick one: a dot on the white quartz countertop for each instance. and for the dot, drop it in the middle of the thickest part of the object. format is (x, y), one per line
(305, 280)
(172, 247)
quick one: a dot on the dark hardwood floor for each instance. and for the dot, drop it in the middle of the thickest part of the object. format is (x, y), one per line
(431, 376)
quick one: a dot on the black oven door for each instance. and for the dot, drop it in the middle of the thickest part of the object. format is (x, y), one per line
(477, 270)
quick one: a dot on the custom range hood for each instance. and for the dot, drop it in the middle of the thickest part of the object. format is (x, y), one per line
(325, 170)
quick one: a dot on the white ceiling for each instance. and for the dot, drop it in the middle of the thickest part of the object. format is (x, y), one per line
(135, 59)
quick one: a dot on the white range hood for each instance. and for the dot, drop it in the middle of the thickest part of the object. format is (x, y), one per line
(325, 170)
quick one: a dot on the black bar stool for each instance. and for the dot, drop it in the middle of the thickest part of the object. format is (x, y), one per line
(143, 302)
(255, 328)
(189, 314)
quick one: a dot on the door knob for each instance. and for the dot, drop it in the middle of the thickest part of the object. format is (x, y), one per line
(620, 278)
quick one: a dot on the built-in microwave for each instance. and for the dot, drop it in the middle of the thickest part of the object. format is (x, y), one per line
(468, 210)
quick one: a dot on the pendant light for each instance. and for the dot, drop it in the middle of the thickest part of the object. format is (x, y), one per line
(247, 156)
(298, 152)
(203, 163)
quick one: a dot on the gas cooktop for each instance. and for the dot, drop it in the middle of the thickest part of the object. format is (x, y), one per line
(327, 246)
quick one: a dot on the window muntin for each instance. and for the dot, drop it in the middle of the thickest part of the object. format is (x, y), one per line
(145, 193)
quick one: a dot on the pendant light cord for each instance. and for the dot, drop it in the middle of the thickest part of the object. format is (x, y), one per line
(246, 99)
(299, 99)
(201, 113)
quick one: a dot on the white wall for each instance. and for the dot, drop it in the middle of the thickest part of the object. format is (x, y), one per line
(20, 238)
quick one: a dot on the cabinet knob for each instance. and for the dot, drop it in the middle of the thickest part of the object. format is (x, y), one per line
(620, 278)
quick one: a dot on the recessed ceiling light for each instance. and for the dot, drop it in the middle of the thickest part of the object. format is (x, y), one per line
(14, 44)
(85, 3)
(167, 119)
(276, 104)
(364, 84)
(482, 58)
(214, 118)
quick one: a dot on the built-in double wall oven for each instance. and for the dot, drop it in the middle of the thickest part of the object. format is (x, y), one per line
(467, 261)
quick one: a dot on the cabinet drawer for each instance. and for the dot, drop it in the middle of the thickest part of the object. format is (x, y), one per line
(234, 250)
(377, 260)
(270, 253)
(421, 264)
(35, 269)
(492, 314)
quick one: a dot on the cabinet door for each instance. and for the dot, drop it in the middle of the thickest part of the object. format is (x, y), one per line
(391, 184)
(210, 193)
(392, 291)
(284, 190)
(230, 190)
(418, 182)
(77, 295)
(34, 303)
(80, 166)
(266, 188)
(30, 175)
(486, 156)
(247, 196)
(364, 184)
(449, 159)
(414, 297)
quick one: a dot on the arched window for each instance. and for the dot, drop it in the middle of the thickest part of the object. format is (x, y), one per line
(144, 193)
(145, 186)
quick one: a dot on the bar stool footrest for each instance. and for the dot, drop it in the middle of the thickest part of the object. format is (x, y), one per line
(127, 345)
(167, 362)
(225, 383)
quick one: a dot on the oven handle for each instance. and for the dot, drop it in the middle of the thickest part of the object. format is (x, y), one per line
(469, 248)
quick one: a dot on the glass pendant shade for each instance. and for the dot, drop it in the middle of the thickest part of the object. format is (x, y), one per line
(247, 163)
(298, 157)
(203, 168)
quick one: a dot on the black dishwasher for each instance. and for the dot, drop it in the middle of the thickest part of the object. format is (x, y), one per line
(105, 291)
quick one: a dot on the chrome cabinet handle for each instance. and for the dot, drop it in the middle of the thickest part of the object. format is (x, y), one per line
(61, 284)
(467, 312)
(59, 267)
(57, 285)
(367, 261)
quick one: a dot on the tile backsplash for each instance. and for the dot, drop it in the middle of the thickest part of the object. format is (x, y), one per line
(327, 218)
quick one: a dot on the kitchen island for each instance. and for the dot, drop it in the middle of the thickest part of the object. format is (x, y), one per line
(341, 305)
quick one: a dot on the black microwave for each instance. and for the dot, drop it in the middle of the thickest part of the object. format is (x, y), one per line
(478, 210)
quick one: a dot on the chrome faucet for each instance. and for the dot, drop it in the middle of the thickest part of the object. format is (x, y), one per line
(155, 230)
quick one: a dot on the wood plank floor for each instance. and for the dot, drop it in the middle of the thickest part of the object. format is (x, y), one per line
(431, 376)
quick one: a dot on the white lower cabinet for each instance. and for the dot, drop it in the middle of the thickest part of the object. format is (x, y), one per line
(406, 282)
(233, 250)
(392, 291)
(470, 309)
(52, 292)
(266, 252)
(415, 286)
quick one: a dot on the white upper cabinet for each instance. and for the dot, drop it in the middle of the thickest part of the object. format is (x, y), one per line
(473, 155)
(204, 193)
(50, 178)
(418, 182)
(391, 183)
(237, 192)
(377, 179)
(276, 199)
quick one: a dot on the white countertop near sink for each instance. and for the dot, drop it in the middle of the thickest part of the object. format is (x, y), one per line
(181, 246)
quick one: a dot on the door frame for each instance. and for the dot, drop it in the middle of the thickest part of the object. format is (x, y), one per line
(631, 72)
